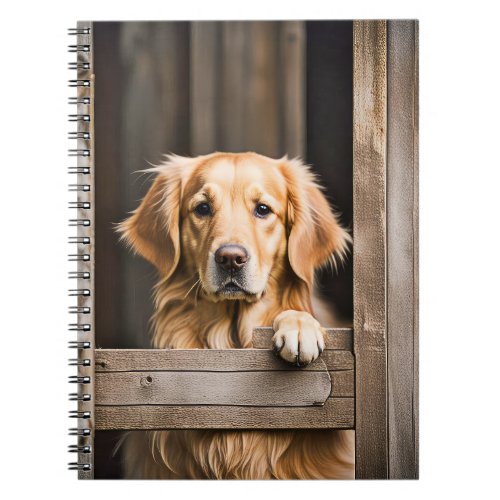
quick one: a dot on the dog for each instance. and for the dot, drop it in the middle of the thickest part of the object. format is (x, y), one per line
(236, 239)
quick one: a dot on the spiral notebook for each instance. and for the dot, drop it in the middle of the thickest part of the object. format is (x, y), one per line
(244, 230)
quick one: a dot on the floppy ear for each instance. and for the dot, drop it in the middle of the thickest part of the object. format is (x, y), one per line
(315, 236)
(153, 228)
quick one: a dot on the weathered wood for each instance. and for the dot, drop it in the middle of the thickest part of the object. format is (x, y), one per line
(342, 383)
(109, 360)
(402, 214)
(336, 413)
(248, 87)
(416, 257)
(153, 119)
(369, 177)
(205, 66)
(338, 360)
(292, 46)
(247, 388)
(336, 338)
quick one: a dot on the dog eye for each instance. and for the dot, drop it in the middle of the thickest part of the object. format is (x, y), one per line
(262, 210)
(203, 209)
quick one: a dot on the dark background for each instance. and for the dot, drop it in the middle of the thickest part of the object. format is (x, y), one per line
(193, 88)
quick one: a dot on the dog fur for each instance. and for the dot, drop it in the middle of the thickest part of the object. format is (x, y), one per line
(199, 304)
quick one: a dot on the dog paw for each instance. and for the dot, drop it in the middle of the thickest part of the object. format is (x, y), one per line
(298, 338)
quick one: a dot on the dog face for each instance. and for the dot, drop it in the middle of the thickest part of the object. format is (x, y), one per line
(235, 222)
(233, 231)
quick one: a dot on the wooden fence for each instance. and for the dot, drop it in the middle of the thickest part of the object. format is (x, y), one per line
(225, 389)
(367, 378)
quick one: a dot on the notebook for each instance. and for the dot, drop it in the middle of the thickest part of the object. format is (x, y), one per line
(244, 229)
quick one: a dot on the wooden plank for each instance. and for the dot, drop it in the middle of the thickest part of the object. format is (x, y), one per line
(248, 388)
(108, 209)
(336, 413)
(342, 383)
(369, 178)
(205, 66)
(338, 360)
(260, 89)
(110, 360)
(416, 254)
(292, 87)
(231, 125)
(153, 118)
(402, 217)
(262, 117)
(336, 338)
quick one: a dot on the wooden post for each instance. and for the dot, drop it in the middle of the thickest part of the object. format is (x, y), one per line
(402, 247)
(385, 248)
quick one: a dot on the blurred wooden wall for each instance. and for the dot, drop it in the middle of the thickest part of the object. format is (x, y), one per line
(248, 87)
(189, 89)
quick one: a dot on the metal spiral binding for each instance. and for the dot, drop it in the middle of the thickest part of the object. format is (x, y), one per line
(79, 31)
(73, 448)
(79, 170)
(79, 204)
(79, 327)
(79, 222)
(79, 292)
(79, 310)
(85, 257)
(78, 362)
(77, 65)
(79, 135)
(79, 118)
(79, 100)
(82, 253)
(75, 379)
(79, 275)
(73, 344)
(75, 431)
(82, 240)
(79, 152)
(84, 415)
(79, 397)
(79, 83)
(79, 187)
(79, 48)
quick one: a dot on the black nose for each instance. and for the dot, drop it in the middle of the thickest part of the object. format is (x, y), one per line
(231, 257)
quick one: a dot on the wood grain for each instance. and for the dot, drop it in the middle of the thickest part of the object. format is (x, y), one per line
(292, 88)
(110, 360)
(342, 383)
(402, 220)
(205, 65)
(369, 177)
(335, 338)
(336, 413)
(153, 119)
(195, 388)
(247, 85)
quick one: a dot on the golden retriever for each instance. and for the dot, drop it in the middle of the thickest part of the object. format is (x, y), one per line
(236, 239)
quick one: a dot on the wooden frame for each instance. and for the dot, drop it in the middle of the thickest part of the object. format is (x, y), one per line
(367, 379)
(386, 248)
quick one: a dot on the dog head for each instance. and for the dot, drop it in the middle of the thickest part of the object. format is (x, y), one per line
(235, 221)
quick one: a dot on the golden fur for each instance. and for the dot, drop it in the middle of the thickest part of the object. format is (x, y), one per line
(285, 247)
